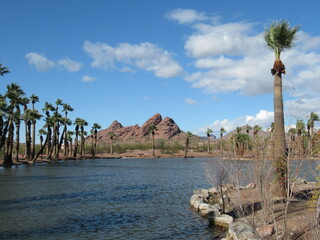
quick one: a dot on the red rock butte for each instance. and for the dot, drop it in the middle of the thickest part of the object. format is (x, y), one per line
(167, 129)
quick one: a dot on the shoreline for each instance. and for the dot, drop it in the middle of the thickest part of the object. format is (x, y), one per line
(147, 154)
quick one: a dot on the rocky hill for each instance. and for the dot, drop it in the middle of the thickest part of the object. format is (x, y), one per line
(167, 129)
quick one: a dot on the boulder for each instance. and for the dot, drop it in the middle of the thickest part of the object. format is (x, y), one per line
(205, 209)
(223, 220)
(213, 191)
(195, 201)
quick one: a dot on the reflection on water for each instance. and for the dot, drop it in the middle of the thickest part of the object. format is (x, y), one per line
(105, 199)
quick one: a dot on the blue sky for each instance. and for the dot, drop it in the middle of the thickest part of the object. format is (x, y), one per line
(203, 63)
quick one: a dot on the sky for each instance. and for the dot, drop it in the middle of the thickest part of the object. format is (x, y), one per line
(203, 63)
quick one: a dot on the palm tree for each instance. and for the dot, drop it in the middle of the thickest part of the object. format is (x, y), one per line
(69, 142)
(256, 130)
(42, 132)
(14, 93)
(34, 99)
(3, 124)
(248, 128)
(152, 129)
(3, 70)
(112, 135)
(280, 37)
(80, 123)
(208, 132)
(95, 128)
(186, 148)
(66, 109)
(301, 127)
(222, 131)
(313, 117)
(30, 116)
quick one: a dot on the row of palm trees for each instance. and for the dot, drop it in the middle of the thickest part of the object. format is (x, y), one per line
(15, 111)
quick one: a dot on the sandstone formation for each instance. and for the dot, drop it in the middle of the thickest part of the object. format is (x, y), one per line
(167, 129)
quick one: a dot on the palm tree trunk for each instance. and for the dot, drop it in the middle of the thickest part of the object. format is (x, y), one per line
(33, 139)
(28, 140)
(208, 143)
(221, 146)
(279, 137)
(17, 140)
(75, 145)
(8, 153)
(186, 148)
(153, 147)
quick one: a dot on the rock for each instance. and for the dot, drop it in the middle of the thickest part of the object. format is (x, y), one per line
(228, 187)
(223, 220)
(265, 231)
(167, 128)
(213, 191)
(251, 186)
(203, 192)
(205, 209)
(155, 120)
(195, 201)
(241, 231)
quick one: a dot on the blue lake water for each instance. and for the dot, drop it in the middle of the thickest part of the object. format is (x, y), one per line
(104, 199)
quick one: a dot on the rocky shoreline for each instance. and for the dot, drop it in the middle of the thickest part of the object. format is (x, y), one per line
(220, 211)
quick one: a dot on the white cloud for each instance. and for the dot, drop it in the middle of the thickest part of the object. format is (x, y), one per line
(263, 118)
(190, 101)
(145, 56)
(185, 16)
(70, 65)
(88, 79)
(41, 63)
(233, 57)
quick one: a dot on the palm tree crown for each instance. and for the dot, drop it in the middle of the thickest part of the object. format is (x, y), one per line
(280, 37)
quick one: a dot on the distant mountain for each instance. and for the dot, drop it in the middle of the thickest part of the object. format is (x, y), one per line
(167, 129)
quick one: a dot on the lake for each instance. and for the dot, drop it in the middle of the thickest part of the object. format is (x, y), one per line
(104, 199)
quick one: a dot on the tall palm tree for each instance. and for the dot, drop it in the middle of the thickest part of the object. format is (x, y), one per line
(3, 70)
(208, 132)
(279, 38)
(34, 99)
(30, 116)
(14, 94)
(95, 128)
(222, 131)
(112, 135)
(48, 107)
(4, 123)
(69, 142)
(186, 148)
(152, 129)
(66, 109)
(80, 123)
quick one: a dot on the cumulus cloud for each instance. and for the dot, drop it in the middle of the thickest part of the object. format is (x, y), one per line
(41, 63)
(145, 56)
(190, 101)
(185, 16)
(70, 65)
(88, 79)
(263, 118)
(233, 57)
